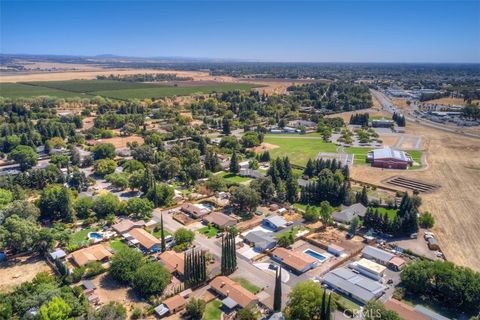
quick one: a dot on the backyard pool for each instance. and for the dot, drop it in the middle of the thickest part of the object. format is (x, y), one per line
(95, 235)
(320, 257)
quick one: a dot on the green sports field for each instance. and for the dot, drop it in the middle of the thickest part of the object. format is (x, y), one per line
(298, 148)
(111, 89)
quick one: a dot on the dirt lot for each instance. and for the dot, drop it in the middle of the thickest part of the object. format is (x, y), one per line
(109, 290)
(373, 112)
(118, 142)
(11, 274)
(453, 162)
(264, 146)
(447, 101)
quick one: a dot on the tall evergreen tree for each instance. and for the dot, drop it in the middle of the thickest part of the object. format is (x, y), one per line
(234, 166)
(277, 296)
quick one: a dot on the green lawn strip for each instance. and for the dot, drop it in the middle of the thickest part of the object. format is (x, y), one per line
(298, 148)
(248, 285)
(231, 177)
(359, 153)
(117, 244)
(81, 236)
(392, 213)
(157, 232)
(18, 90)
(345, 304)
(208, 231)
(212, 310)
(144, 93)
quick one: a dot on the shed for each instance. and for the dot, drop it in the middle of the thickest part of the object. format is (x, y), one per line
(275, 222)
(58, 254)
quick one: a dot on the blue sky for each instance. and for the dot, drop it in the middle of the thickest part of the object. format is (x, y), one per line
(316, 31)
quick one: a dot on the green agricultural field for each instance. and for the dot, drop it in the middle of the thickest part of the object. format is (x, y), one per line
(92, 85)
(18, 90)
(298, 148)
(161, 92)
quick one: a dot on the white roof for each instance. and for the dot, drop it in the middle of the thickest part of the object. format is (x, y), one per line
(370, 265)
(390, 153)
(378, 254)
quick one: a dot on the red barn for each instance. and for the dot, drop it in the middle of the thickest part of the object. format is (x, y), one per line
(389, 158)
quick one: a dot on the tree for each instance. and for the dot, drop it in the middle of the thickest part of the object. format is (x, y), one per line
(140, 209)
(6, 197)
(118, 180)
(44, 241)
(264, 187)
(56, 203)
(325, 213)
(124, 264)
(234, 166)
(244, 200)
(426, 220)
(183, 235)
(160, 194)
(107, 204)
(216, 183)
(195, 308)
(132, 165)
(111, 311)
(162, 234)
(55, 309)
(104, 151)
(246, 314)
(305, 301)
(151, 278)
(104, 167)
(18, 234)
(226, 126)
(195, 268)
(229, 254)
(277, 294)
(25, 156)
(354, 225)
(251, 139)
(78, 181)
(22, 208)
(311, 214)
(364, 197)
(84, 206)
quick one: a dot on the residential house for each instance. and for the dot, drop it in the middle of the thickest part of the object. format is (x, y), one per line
(57, 254)
(195, 210)
(274, 222)
(233, 294)
(93, 253)
(146, 240)
(126, 225)
(171, 306)
(261, 240)
(354, 285)
(378, 255)
(405, 311)
(173, 261)
(299, 262)
(348, 213)
(220, 220)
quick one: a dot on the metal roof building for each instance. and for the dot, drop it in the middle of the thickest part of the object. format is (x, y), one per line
(378, 255)
(354, 285)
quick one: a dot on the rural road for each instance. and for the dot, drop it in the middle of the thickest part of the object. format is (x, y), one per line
(390, 107)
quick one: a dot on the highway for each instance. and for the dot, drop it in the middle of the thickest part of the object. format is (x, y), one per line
(390, 107)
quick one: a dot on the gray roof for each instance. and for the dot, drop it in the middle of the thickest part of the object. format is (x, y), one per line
(347, 214)
(430, 313)
(378, 254)
(260, 238)
(277, 221)
(360, 287)
(88, 284)
(390, 153)
(59, 253)
(229, 303)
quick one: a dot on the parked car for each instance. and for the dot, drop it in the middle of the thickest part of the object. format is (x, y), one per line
(219, 235)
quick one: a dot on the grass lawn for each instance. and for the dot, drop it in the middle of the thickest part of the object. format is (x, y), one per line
(230, 177)
(157, 233)
(298, 148)
(117, 244)
(248, 285)
(345, 303)
(81, 236)
(212, 310)
(209, 231)
(360, 154)
(417, 157)
(392, 213)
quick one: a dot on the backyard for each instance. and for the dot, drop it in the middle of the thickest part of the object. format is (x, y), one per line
(212, 310)
(209, 231)
(248, 285)
(233, 178)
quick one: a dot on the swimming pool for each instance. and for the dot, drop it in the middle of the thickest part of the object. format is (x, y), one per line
(315, 255)
(95, 235)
